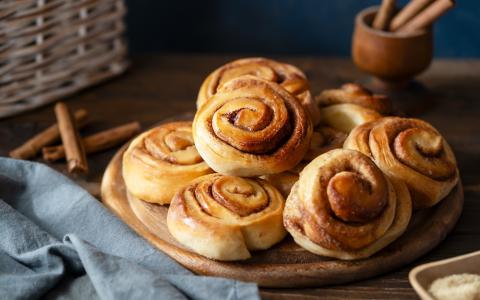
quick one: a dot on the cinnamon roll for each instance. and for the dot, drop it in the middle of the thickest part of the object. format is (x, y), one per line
(410, 150)
(252, 127)
(350, 106)
(354, 94)
(289, 77)
(225, 217)
(346, 116)
(343, 206)
(324, 139)
(283, 181)
(160, 161)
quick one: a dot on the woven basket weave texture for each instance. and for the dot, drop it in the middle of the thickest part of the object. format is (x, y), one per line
(53, 48)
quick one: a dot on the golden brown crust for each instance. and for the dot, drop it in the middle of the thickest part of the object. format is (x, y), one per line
(283, 181)
(289, 77)
(346, 116)
(412, 151)
(252, 127)
(160, 161)
(324, 139)
(354, 94)
(344, 206)
(225, 217)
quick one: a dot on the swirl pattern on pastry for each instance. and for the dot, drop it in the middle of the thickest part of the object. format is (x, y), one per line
(252, 127)
(343, 206)
(412, 151)
(289, 77)
(160, 161)
(225, 217)
(354, 94)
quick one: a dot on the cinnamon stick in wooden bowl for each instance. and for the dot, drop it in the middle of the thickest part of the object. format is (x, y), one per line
(427, 17)
(408, 12)
(384, 15)
(390, 57)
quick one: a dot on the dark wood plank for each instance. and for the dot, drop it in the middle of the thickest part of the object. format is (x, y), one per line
(159, 86)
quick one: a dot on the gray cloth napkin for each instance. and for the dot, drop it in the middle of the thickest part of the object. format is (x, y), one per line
(58, 242)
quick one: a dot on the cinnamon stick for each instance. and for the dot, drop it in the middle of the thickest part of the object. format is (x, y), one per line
(96, 142)
(50, 135)
(408, 12)
(427, 16)
(74, 150)
(384, 15)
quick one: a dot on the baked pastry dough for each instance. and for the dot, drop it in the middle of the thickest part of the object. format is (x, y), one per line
(225, 217)
(412, 151)
(346, 116)
(252, 127)
(324, 139)
(284, 181)
(288, 76)
(350, 106)
(160, 161)
(343, 206)
(354, 94)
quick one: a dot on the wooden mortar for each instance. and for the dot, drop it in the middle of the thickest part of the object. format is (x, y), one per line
(393, 58)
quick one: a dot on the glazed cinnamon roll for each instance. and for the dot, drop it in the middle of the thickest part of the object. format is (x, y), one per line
(410, 150)
(225, 217)
(343, 206)
(252, 127)
(354, 94)
(288, 76)
(160, 161)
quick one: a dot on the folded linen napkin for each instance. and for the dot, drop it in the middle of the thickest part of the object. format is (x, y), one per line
(58, 242)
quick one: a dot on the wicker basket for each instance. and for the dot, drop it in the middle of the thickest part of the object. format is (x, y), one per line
(53, 48)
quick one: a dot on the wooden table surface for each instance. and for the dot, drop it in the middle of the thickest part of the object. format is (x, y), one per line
(161, 86)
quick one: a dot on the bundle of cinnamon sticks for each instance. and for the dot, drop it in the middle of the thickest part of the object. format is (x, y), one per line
(416, 15)
(74, 148)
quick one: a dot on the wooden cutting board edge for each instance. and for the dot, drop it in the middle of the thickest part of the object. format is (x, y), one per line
(286, 275)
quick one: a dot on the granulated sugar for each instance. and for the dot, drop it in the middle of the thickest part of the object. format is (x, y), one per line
(457, 286)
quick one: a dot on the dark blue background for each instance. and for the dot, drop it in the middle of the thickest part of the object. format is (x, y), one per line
(316, 27)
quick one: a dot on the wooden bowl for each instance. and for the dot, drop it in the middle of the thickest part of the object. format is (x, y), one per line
(391, 57)
(422, 276)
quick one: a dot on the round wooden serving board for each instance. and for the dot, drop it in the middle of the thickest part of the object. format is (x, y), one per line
(285, 264)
